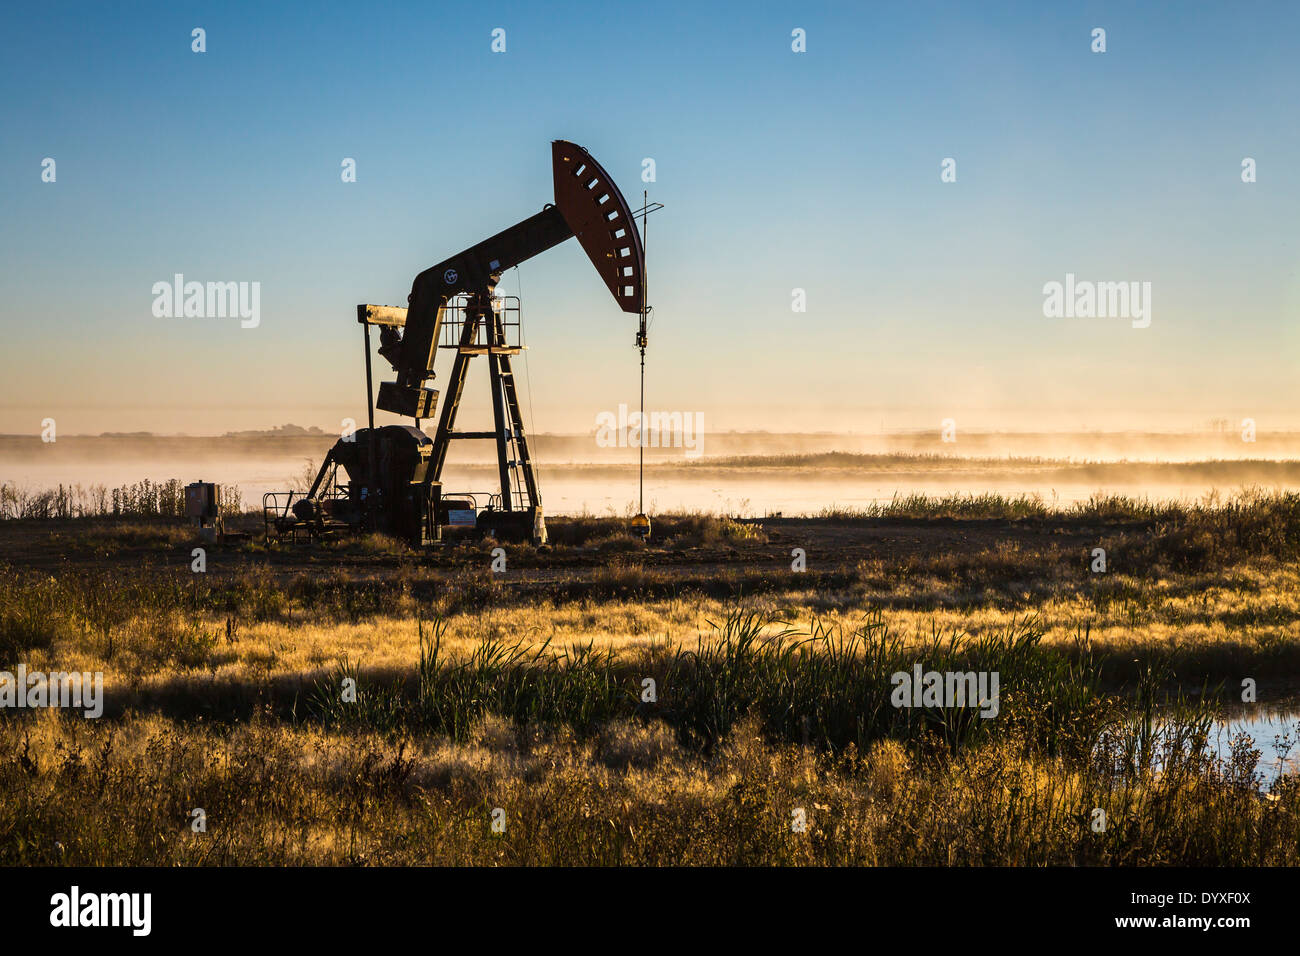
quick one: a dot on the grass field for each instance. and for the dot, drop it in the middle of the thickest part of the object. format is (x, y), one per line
(702, 698)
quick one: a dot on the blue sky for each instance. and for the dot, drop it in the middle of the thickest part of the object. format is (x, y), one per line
(817, 170)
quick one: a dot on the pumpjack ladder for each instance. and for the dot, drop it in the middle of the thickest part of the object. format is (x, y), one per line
(514, 463)
(476, 324)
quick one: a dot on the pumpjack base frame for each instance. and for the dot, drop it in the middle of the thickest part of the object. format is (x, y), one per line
(516, 513)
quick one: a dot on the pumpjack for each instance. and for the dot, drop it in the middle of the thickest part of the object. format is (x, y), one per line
(391, 479)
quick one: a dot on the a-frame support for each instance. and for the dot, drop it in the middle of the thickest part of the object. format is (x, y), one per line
(519, 495)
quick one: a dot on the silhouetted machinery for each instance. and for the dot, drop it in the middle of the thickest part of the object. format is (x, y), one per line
(203, 508)
(390, 478)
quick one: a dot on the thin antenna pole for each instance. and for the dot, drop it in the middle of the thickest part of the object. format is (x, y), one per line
(641, 450)
(641, 343)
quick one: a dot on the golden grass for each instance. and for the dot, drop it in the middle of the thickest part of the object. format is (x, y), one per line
(1255, 605)
(83, 793)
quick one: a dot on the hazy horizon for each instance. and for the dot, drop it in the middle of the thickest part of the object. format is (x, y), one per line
(577, 474)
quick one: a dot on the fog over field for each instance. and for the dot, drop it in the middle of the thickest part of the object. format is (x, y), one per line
(751, 473)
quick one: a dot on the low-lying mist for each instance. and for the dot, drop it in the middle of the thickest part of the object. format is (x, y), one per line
(753, 473)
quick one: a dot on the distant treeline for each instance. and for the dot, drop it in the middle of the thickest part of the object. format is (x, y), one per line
(143, 499)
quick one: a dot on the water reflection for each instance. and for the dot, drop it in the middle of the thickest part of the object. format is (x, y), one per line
(1275, 733)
